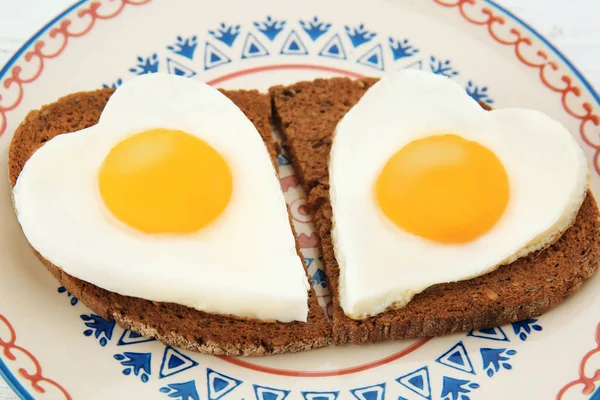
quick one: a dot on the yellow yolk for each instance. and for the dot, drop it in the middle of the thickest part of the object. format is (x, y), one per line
(443, 188)
(165, 181)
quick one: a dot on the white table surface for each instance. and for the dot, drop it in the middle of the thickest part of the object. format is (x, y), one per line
(571, 25)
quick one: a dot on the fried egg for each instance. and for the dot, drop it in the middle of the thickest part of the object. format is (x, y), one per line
(427, 187)
(171, 197)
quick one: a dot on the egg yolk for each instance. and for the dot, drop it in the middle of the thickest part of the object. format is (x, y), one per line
(443, 188)
(165, 181)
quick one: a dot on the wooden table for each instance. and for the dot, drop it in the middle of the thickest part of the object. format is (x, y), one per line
(571, 25)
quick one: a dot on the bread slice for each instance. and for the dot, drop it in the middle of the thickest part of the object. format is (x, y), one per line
(170, 323)
(306, 114)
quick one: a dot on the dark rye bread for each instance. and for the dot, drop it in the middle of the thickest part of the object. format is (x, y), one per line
(170, 323)
(307, 113)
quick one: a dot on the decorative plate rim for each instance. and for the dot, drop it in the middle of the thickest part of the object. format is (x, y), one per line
(10, 377)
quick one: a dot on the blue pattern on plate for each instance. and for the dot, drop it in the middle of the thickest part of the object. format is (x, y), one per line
(130, 337)
(253, 47)
(270, 27)
(138, 363)
(176, 68)
(113, 85)
(415, 65)
(174, 362)
(293, 45)
(320, 395)
(330, 44)
(524, 328)
(418, 382)
(146, 65)
(496, 359)
(442, 67)
(74, 300)
(373, 58)
(401, 48)
(359, 35)
(315, 28)
(480, 94)
(283, 160)
(181, 391)
(226, 33)
(373, 392)
(458, 358)
(457, 389)
(214, 57)
(99, 327)
(334, 48)
(269, 393)
(319, 278)
(218, 384)
(185, 47)
(496, 334)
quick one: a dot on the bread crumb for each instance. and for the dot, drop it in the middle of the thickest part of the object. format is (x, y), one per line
(490, 294)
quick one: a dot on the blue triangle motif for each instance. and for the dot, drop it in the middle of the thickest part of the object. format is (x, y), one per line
(418, 382)
(219, 385)
(319, 278)
(293, 45)
(179, 69)
(374, 392)
(269, 393)
(283, 160)
(130, 337)
(320, 395)
(496, 334)
(373, 58)
(214, 57)
(174, 362)
(415, 65)
(334, 48)
(458, 358)
(253, 48)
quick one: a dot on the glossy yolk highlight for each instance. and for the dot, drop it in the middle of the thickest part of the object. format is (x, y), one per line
(165, 181)
(443, 188)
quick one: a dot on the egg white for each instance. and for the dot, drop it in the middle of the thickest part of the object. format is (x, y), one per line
(382, 265)
(245, 263)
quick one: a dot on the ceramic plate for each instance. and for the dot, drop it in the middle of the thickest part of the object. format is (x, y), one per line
(53, 347)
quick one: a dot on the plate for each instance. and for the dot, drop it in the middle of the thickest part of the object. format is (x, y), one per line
(53, 347)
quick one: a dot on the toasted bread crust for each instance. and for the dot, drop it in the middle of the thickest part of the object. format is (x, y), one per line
(306, 114)
(170, 323)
